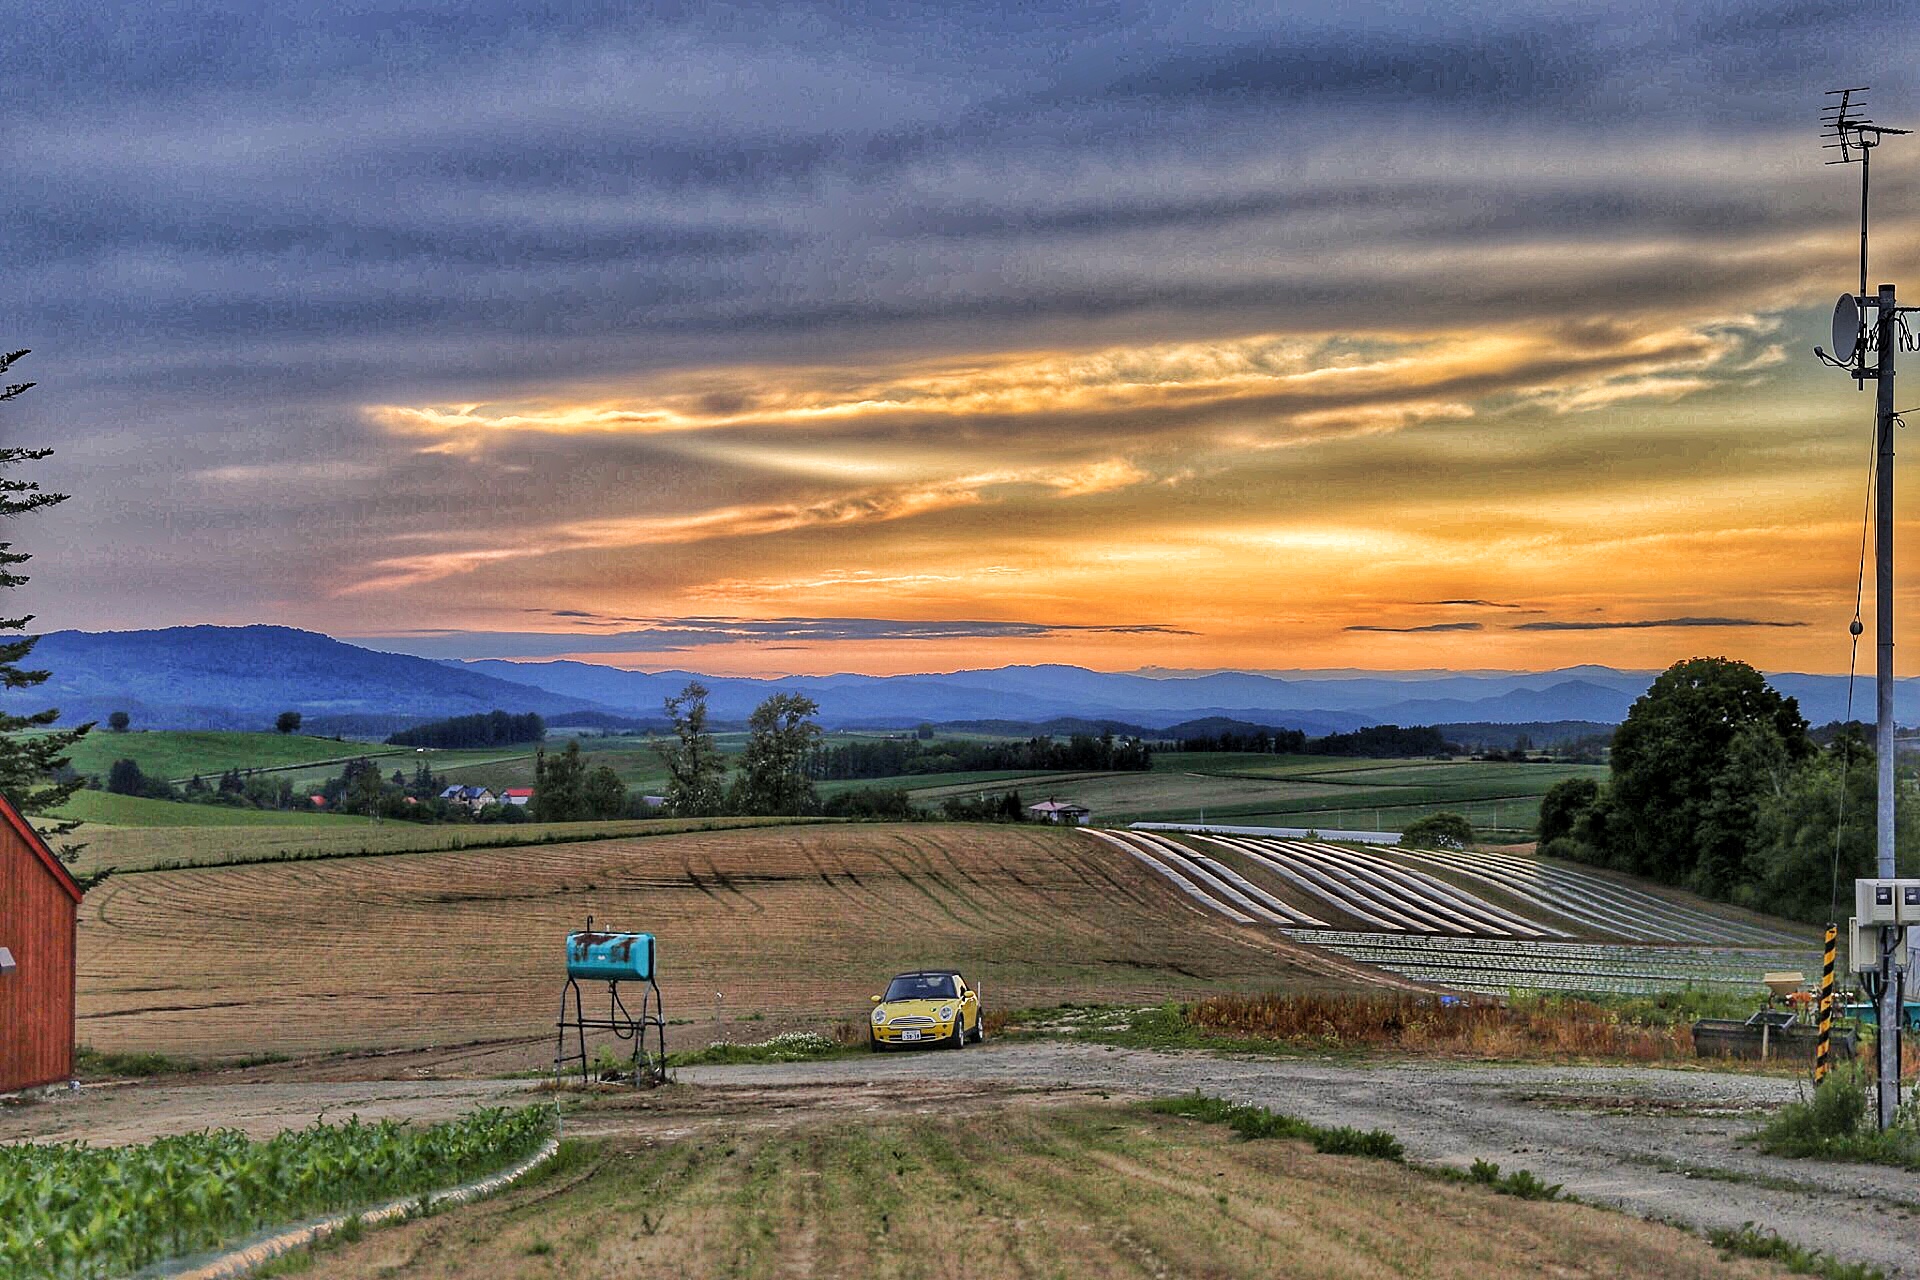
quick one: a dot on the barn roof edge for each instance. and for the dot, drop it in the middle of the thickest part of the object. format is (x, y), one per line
(39, 846)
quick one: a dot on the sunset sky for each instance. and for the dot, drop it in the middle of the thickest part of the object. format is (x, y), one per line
(792, 338)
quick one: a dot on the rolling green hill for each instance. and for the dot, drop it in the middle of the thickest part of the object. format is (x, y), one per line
(178, 754)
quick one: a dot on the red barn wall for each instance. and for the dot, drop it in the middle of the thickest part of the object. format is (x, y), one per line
(36, 999)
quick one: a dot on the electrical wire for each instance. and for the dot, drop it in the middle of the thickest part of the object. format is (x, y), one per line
(1854, 628)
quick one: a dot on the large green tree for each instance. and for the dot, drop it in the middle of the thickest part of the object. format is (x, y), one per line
(696, 771)
(781, 738)
(1699, 752)
(1812, 843)
(1562, 805)
(32, 753)
(559, 786)
(604, 795)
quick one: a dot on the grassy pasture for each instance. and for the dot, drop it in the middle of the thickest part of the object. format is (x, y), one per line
(793, 925)
(177, 754)
(1075, 1191)
(137, 811)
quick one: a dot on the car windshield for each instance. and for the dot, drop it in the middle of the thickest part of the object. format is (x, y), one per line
(921, 986)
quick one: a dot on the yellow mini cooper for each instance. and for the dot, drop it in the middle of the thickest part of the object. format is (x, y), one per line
(932, 1006)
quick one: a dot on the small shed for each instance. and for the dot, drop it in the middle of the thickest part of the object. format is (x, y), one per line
(1062, 811)
(39, 906)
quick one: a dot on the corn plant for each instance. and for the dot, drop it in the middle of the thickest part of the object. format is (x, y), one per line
(75, 1212)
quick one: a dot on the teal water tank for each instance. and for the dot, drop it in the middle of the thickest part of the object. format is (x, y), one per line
(610, 957)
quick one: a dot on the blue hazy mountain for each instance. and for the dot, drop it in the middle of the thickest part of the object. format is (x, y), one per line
(241, 677)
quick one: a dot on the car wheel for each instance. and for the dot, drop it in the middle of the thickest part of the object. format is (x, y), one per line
(980, 1028)
(874, 1045)
(958, 1039)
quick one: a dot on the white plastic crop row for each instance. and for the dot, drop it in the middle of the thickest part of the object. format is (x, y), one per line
(1202, 872)
(1542, 891)
(1230, 879)
(1494, 919)
(1310, 880)
(1390, 882)
(1683, 917)
(1638, 911)
(1179, 881)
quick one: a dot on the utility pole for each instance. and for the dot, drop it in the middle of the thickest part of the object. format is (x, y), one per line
(1888, 1092)
(1882, 904)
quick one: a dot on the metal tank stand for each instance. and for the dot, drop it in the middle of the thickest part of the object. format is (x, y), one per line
(649, 1067)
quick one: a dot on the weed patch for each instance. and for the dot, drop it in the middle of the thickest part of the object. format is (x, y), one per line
(91, 1062)
(1833, 1125)
(1257, 1122)
(1749, 1241)
(1520, 1027)
(792, 1046)
(1521, 1182)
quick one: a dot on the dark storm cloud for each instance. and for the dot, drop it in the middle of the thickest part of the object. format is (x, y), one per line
(1650, 623)
(674, 635)
(257, 177)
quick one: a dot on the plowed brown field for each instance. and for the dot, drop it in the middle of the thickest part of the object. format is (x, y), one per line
(778, 926)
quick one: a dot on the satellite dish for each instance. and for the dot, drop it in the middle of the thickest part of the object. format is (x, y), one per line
(1846, 328)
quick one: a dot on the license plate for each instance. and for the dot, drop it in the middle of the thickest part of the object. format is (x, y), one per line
(909, 1035)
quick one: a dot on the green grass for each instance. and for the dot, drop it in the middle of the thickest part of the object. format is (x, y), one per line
(793, 1046)
(1834, 1125)
(1521, 1182)
(178, 754)
(92, 1063)
(137, 811)
(1751, 1242)
(1253, 1123)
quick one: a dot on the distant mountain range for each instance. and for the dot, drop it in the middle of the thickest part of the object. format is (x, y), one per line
(242, 677)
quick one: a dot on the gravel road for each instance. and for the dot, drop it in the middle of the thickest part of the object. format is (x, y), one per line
(1658, 1143)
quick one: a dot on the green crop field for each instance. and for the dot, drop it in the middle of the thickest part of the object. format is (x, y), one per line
(136, 811)
(180, 754)
(1328, 792)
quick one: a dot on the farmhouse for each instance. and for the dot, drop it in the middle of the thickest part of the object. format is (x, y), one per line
(38, 906)
(475, 798)
(521, 796)
(1062, 811)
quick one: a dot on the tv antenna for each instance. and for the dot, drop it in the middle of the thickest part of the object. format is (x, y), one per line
(1847, 131)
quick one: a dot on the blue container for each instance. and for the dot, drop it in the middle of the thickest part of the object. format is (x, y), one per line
(610, 957)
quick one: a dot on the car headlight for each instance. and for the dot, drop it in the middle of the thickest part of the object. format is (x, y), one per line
(946, 1013)
(879, 1017)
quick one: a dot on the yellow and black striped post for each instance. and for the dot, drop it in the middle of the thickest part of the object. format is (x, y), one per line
(1822, 1054)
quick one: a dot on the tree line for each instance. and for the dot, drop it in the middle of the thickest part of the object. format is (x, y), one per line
(1380, 741)
(1716, 785)
(490, 729)
(892, 758)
